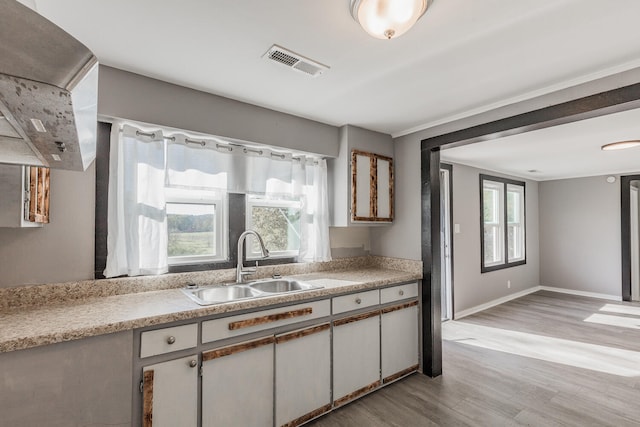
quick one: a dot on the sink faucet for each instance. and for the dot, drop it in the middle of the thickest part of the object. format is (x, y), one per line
(241, 270)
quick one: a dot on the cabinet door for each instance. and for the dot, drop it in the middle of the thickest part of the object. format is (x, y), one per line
(303, 375)
(371, 187)
(170, 393)
(399, 340)
(356, 356)
(237, 384)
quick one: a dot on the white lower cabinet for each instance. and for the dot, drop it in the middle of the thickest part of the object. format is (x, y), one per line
(356, 356)
(237, 384)
(303, 375)
(399, 340)
(170, 393)
(280, 378)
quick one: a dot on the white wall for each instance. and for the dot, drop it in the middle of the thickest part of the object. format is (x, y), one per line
(471, 287)
(580, 235)
(62, 250)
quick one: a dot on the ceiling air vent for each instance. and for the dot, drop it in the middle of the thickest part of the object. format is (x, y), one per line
(295, 61)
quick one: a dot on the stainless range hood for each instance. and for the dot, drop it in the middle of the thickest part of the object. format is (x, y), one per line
(48, 93)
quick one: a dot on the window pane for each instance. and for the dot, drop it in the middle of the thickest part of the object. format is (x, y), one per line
(191, 229)
(490, 197)
(279, 227)
(492, 245)
(515, 219)
(493, 219)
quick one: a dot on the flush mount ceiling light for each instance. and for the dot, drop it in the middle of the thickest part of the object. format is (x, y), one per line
(620, 145)
(386, 19)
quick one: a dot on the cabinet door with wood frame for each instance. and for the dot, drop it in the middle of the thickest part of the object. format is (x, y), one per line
(371, 187)
(356, 356)
(399, 340)
(237, 384)
(303, 375)
(170, 393)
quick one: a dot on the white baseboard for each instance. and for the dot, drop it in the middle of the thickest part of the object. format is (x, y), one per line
(581, 293)
(502, 300)
(495, 302)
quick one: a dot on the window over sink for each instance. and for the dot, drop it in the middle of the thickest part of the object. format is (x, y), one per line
(178, 202)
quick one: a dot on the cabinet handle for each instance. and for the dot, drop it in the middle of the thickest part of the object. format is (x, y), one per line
(270, 318)
(358, 300)
(193, 363)
(401, 292)
(171, 340)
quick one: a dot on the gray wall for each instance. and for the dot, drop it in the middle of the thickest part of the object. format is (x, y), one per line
(349, 241)
(59, 251)
(580, 235)
(64, 249)
(135, 97)
(472, 288)
(402, 238)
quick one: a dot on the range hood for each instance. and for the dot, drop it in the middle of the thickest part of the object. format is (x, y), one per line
(48, 93)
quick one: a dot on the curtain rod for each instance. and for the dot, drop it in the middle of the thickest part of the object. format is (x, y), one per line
(219, 146)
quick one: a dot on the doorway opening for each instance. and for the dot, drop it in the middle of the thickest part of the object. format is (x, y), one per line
(630, 236)
(446, 239)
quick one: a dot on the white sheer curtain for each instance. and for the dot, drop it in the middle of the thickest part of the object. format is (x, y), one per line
(314, 222)
(137, 230)
(137, 224)
(209, 164)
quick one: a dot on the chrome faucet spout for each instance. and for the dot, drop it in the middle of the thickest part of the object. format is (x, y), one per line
(241, 270)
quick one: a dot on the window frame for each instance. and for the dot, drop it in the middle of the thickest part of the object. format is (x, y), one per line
(257, 201)
(504, 224)
(221, 231)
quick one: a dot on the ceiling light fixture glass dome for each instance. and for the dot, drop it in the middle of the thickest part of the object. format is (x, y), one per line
(621, 145)
(386, 19)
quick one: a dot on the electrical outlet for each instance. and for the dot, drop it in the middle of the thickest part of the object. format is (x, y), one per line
(508, 284)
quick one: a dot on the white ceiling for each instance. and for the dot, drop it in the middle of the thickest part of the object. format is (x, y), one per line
(567, 151)
(463, 56)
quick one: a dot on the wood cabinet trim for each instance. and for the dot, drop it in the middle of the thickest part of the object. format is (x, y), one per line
(356, 318)
(373, 178)
(357, 393)
(39, 187)
(400, 374)
(311, 415)
(238, 348)
(399, 307)
(302, 333)
(147, 398)
(270, 318)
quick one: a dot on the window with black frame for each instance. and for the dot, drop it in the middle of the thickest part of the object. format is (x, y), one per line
(503, 228)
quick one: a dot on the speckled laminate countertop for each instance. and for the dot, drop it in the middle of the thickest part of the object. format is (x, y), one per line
(29, 326)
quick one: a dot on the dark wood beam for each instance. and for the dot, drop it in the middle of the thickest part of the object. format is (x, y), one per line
(600, 104)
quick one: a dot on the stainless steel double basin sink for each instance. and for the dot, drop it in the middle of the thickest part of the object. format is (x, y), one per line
(218, 294)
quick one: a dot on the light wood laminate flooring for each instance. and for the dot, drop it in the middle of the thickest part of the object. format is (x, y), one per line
(546, 359)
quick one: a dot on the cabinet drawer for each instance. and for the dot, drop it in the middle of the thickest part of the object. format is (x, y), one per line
(397, 293)
(355, 301)
(233, 326)
(168, 339)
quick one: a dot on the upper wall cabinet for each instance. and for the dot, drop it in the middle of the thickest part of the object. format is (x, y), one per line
(24, 192)
(361, 182)
(371, 187)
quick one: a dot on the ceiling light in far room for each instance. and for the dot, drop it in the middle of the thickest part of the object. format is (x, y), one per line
(386, 19)
(621, 145)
